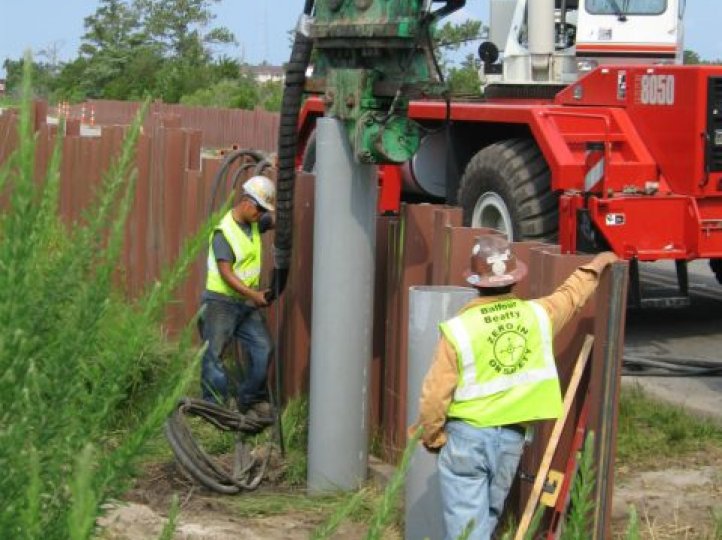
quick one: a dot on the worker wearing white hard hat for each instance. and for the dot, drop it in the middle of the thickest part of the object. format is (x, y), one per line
(503, 347)
(232, 299)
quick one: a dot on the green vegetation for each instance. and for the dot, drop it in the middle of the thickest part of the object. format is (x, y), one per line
(86, 378)
(463, 79)
(691, 58)
(581, 511)
(650, 431)
(135, 48)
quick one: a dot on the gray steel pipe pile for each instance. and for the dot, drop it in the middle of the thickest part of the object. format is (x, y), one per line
(428, 306)
(342, 313)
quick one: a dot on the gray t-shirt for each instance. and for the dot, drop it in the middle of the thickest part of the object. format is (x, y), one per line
(223, 252)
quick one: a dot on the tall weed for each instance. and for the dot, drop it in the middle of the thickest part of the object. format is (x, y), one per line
(75, 356)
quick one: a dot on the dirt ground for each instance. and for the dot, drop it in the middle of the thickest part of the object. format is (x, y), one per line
(205, 515)
(673, 501)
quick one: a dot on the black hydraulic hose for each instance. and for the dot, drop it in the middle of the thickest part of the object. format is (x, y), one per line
(225, 167)
(199, 465)
(287, 145)
(240, 172)
(664, 366)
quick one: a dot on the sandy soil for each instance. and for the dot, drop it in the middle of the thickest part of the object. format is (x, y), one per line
(674, 501)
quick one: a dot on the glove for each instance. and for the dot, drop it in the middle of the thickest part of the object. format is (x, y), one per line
(278, 283)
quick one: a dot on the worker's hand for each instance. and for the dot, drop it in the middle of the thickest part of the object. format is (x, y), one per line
(607, 257)
(602, 260)
(258, 298)
(432, 449)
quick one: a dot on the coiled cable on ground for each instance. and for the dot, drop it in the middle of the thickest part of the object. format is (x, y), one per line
(246, 474)
(636, 365)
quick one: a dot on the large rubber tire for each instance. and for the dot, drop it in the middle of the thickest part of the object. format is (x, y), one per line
(716, 266)
(507, 186)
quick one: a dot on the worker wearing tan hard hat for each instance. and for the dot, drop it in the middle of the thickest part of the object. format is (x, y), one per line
(233, 296)
(492, 376)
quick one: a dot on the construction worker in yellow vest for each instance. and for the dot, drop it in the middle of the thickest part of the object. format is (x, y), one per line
(232, 300)
(493, 374)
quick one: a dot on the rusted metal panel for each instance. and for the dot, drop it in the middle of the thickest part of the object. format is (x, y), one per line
(411, 262)
(378, 361)
(255, 129)
(605, 390)
(439, 249)
(296, 301)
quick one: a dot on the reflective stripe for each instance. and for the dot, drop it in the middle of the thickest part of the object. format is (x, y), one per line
(247, 254)
(249, 273)
(504, 382)
(467, 353)
(594, 174)
(471, 389)
(545, 325)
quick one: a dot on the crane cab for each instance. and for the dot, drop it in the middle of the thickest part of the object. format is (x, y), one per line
(552, 43)
(629, 32)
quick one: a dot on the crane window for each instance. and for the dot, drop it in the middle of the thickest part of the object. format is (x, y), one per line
(626, 7)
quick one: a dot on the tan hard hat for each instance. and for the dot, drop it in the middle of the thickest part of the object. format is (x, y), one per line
(493, 264)
(261, 190)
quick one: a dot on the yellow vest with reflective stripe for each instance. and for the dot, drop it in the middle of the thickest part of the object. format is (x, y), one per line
(247, 252)
(507, 372)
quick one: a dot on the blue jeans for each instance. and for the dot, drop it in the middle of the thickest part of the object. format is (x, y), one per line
(476, 469)
(220, 323)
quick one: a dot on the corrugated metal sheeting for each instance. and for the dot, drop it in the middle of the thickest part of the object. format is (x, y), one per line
(219, 127)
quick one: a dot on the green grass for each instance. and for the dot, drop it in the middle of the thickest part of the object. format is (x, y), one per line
(86, 377)
(651, 431)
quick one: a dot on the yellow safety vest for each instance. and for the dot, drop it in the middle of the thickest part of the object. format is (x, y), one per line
(247, 252)
(507, 372)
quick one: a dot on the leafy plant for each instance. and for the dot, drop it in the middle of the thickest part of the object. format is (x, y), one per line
(578, 522)
(73, 354)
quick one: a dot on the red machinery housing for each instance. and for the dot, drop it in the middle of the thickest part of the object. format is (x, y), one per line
(628, 158)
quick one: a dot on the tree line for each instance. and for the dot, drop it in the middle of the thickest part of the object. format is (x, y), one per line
(165, 49)
(132, 49)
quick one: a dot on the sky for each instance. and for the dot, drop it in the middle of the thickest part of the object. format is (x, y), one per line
(260, 26)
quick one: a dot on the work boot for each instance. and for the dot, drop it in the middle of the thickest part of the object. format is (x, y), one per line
(262, 409)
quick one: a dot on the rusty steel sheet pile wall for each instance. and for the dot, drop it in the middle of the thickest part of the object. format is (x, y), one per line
(219, 127)
(169, 206)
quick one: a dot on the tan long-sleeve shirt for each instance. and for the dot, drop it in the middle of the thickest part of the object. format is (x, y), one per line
(441, 380)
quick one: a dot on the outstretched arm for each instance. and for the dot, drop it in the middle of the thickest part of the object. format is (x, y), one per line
(571, 295)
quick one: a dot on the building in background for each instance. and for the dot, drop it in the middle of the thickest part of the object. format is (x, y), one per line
(264, 72)
(2, 87)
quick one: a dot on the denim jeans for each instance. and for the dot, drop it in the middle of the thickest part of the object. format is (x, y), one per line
(220, 323)
(476, 469)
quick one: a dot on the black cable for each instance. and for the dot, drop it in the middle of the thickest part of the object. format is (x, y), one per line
(664, 366)
(222, 172)
(197, 463)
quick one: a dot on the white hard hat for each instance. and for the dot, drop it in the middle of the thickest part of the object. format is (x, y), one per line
(493, 264)
(261, 190)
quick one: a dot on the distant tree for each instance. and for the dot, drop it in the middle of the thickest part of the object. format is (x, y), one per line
(182, 27)
(271, 95)
(465, 78)
(451, 37)
(691, 57)
(225, 68)
(42, 77)
(115, 61)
